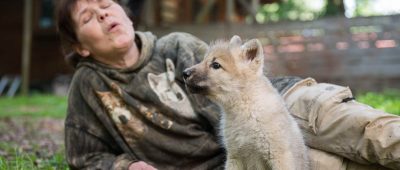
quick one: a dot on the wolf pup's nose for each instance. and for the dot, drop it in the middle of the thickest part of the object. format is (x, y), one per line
(186, 73)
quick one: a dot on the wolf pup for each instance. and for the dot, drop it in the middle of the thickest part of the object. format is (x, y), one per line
(256, 127)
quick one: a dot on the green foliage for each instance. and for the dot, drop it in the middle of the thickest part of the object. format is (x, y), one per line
(37, 105)
(303, 10)
(31, 161)
(363, 8)
(388, 101)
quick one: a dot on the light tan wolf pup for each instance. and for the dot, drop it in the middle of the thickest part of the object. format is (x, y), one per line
(256, 127)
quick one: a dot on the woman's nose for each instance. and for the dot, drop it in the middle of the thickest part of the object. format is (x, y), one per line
(102, 15)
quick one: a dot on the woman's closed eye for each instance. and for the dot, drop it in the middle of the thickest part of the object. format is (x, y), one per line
(87, 17)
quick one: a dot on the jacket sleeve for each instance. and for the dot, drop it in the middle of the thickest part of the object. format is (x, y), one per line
(85, 151)
(88, 143)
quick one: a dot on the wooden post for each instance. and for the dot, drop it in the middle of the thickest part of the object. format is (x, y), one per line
(149, 13)
(230, 10)
(251, 7)
(255, 4)
(26, 46)
(204, 12)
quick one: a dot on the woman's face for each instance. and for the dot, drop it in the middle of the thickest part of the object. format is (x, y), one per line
(102, 28)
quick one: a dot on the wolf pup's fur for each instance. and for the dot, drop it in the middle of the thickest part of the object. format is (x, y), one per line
(256, 127)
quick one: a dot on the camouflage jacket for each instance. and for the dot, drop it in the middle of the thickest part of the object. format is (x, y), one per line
(119, 116)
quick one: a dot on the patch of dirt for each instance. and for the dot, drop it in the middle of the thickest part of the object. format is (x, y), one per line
(40, 136)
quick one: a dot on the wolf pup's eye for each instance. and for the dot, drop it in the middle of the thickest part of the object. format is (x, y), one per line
(215, 65)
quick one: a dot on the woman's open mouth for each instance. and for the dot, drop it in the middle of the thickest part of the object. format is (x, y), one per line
(113, 26)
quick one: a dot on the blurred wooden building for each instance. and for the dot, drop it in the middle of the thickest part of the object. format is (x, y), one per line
(359, 52)
(46, 59)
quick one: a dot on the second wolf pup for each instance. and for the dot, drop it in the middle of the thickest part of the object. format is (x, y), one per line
(256, 127)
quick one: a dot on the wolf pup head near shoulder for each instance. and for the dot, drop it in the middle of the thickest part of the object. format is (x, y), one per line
(254, 113)
(226, 68)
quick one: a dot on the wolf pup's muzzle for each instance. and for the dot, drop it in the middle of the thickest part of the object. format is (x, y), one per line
(187, 73)
(191, 81)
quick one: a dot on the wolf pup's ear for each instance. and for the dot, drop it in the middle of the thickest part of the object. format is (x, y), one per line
(235, 41)
(253, 53)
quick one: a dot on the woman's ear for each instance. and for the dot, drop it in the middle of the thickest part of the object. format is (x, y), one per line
(81, 50)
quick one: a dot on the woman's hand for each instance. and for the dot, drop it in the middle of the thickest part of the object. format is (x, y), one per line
(141, 166)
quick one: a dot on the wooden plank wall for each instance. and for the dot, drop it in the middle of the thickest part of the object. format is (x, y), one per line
(362, 53)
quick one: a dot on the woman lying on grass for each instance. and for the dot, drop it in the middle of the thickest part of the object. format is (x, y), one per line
(128, 108)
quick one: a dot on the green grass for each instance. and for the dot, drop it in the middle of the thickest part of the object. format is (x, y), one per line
(27, 110)
(36, 105)
(28, 161)
(388, 100)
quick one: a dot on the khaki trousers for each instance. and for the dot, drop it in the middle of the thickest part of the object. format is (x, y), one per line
(343, 135)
